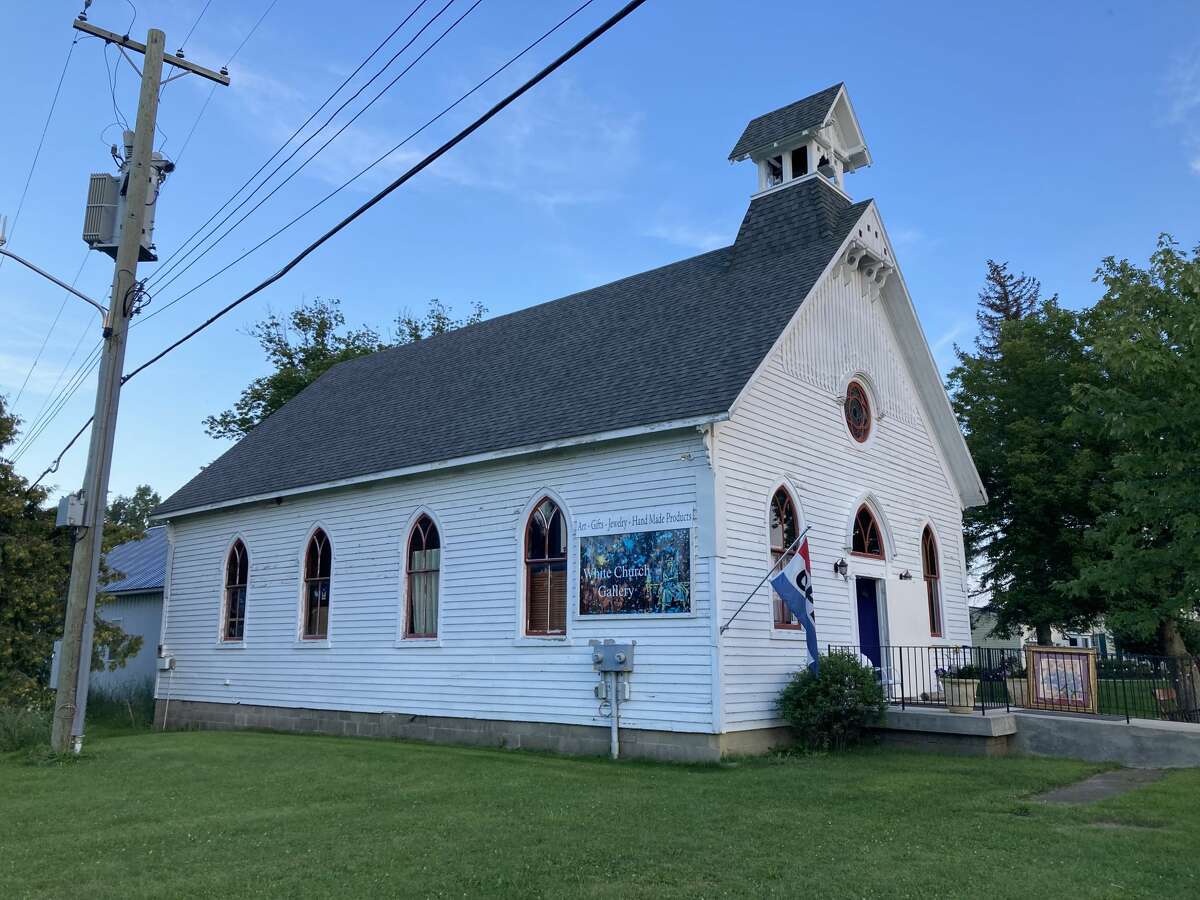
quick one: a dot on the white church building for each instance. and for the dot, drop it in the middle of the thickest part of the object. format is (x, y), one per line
(426, 541)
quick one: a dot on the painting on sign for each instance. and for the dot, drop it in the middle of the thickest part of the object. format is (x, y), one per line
(636, 573)
(1062, 678)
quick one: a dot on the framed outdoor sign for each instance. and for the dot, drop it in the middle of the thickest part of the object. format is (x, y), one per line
(637, 562)
(1062, 678)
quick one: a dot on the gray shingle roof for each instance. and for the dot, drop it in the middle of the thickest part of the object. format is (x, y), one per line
(674, 343)
(785, 122)
(142, 564)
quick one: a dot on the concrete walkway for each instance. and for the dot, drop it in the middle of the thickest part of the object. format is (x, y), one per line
(1103, 786)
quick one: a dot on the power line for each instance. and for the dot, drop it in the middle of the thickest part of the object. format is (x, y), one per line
(51, 395)
(50, 408)
(50, 330)
(111, 71)
(313, 155)
(427, 161)
(187, 37)
(86, 368)
(37, 153)
(295, 133)
(212, 90)
(163, 272)
(372, 165)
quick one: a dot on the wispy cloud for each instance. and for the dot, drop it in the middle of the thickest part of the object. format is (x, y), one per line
(556, 147)
(687, 234)
(1183, 102)
(908, 237)
(947, 338)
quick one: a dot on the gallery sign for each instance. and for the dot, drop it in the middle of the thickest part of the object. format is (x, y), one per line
(637, 562)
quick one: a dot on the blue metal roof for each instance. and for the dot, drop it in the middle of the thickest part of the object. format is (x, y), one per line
(142, 564)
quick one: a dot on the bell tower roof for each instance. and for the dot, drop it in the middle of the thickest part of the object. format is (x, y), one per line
(819, 133)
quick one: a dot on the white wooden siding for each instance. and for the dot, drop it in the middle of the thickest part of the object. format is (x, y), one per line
(480, 666)
(789, 427)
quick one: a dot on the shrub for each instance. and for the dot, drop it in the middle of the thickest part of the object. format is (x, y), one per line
(831, 710)
(23, 729)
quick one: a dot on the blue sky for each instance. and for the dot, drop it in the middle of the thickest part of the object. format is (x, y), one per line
(1048, 135)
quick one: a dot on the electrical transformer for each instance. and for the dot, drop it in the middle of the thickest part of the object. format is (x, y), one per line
(105, 215)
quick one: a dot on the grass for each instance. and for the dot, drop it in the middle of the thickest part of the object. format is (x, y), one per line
(23, 729)
(224, 814)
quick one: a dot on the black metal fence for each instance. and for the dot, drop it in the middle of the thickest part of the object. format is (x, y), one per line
(1056, 679)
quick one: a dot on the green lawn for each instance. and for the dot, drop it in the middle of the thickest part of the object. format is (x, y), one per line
(236, 814)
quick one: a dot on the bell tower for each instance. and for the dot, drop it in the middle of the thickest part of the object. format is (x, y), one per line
(817, 137)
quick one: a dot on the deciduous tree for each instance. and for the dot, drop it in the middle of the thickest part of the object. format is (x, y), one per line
(308, 342)
(35, 562)
(1143, 555)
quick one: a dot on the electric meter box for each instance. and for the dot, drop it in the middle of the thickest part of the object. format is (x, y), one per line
(610, 656)
(70, 511)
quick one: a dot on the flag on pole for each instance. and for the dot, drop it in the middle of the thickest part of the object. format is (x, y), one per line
(794, 584)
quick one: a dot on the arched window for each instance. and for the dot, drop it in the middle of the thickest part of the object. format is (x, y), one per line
(424, 565)
(546, 570)
(237, 575)
(933, 587)
(318, 563)
(867, 539)
(784, 529)
(857, 409)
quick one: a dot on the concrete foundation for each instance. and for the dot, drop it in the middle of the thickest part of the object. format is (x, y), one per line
(578, 740)
(1140, 744)
(939, 731)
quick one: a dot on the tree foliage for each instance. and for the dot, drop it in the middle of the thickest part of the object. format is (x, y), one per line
(301, 346)
(1005, 297)
(133, 511)
(1143, 556)
(35, 559)
(1013, 397)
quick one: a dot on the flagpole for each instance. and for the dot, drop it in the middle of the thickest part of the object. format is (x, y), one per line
(782, 557)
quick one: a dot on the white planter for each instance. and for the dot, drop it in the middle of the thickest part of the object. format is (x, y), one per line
(1018, 691)
(960, 694)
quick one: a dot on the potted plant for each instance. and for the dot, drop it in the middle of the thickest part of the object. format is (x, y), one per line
(960, 684)
(1015, 682)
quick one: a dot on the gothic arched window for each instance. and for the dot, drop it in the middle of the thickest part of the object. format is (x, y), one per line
(318, 564)
(933, 584)
(784, 528)
(546, 570)
(867, 539)
(237, 575)
(424, 568)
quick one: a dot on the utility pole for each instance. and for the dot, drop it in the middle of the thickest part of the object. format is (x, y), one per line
(75, 662)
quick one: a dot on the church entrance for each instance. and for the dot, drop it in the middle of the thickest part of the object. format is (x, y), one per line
(867, 593)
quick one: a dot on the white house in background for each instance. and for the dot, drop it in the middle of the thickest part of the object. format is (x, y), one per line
(135, 603)
(424, 542)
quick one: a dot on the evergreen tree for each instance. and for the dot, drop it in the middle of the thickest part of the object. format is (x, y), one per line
(1143, 556)
(1013, 398)
(308, 342)
(1004, 298)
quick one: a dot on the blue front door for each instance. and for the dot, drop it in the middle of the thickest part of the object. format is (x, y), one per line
(868, 619)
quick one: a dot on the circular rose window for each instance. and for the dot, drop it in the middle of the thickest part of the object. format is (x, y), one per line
(858, 411)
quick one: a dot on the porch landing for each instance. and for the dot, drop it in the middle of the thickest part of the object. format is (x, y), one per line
(1138, 744)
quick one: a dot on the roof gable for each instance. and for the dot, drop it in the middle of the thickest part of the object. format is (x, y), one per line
(671, 344)
(914, 353)
(787, 121)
